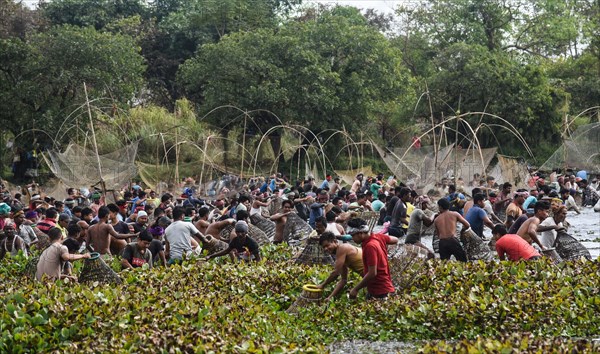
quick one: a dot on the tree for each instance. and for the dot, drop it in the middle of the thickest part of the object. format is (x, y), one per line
(319, 73)
(96, 13)
(42, 81)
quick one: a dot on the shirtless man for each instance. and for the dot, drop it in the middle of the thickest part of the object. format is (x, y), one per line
(346, 256)
(280, 220)
(216, 227)
(202, 223)
(529, 229)
(103, 238)
(515, 209)
(445, 225)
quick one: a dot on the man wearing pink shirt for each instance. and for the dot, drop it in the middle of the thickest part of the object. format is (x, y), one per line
(512, 246)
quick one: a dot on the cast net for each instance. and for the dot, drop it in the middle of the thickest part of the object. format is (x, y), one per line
(580, 151)
(78, 166)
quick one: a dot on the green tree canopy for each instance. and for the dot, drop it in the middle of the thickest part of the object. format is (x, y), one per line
(44, 81)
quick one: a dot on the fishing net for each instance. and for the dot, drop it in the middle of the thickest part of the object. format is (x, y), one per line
(427, 165)
(264, 224)
(475, 246)
(310, 296)
(96, 270)
(296, 229)
(579, 151)
(569, 248)
(78, 166)
(313, 253)
(348, 176)
(254, 233)
(510, 169)
(213, 245)
(274, 206)
(31, 267)
(406, 262)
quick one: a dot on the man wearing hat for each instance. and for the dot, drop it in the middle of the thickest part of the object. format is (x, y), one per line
(241, 245)
(140, 222)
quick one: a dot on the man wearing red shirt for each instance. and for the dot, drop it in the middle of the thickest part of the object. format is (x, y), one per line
(377, 278)
(512, 246)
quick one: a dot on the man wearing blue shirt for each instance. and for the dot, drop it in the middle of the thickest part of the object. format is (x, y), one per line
(477, 217)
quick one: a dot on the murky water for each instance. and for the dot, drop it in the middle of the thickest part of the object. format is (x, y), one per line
(585, 227)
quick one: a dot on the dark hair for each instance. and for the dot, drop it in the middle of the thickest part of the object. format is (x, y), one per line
(326, 237)
(203, 212)
(506, 185)
(360, 196)
(113, 207)
(287, 202)
(73, 229)
(145, 236)
(381, 197)
(321, 220)
(158, 212)
(54, 234)
(564, 190)
(241, 215)
(189, 211)
(336, 200)
(165, 197)
(86, 211)
(243, 198)
(478, 197)
(58, 203)
(541, 205)
(404, 191)
(330, 216)
(178, 213)
(413, 193)
(499, 229)
(103, 212)
(444, 204)
(476, 190)
(356, 223)
(77, 209)
(451, 188)
(51, 213)
(336, 210)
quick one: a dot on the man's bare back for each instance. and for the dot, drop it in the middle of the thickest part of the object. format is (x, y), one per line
(202, 225)
(102, 238)
(215, 228)
(445, 224)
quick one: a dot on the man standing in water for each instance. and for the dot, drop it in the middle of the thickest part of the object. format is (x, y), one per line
(280, 220)
(445, 225)
(529, 228)
(103, 238)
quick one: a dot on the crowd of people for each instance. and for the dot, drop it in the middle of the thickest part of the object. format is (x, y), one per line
(145, 229)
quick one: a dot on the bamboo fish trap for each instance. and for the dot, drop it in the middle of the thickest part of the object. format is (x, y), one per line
(96, 270)
(311, 295)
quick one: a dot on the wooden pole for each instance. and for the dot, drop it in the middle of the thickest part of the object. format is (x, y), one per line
(87, 103)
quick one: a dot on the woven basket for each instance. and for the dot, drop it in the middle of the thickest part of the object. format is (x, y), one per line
(96, 270)
(295, 228)
(313, 253)
(265, 225)
(569, 248)
(475, 246)
(31, 267)
(213, 245)
(310, 295)
(406, 263)
(254, 233)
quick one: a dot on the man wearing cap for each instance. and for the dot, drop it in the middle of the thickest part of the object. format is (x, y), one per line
(511, 246)
(418, 218)
(140, 222)
(376, 276)
(4, 213)
(241, 245)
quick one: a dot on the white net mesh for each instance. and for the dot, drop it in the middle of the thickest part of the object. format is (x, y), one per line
(77, 166)
(580, 151)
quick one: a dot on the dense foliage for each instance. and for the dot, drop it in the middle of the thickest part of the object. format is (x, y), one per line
(534, 63)
(239, 307)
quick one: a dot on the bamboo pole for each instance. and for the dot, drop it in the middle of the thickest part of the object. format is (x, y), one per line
(87, 103)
